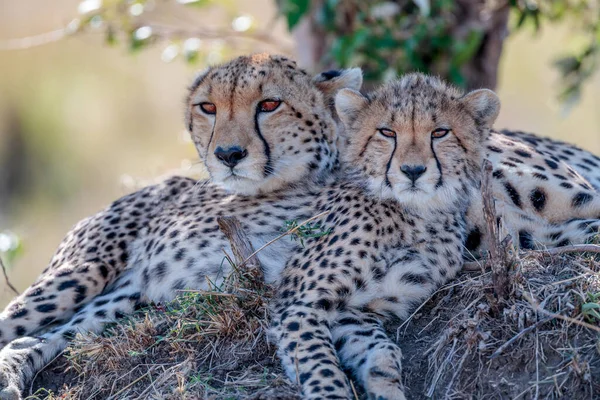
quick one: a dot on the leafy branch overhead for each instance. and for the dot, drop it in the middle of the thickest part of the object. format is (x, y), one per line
(388, 38)
(460, 40)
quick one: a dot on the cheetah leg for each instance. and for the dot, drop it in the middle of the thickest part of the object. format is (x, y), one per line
(540, 234)
(91, 257)
(22, 358)
(51, 300)
(575, 231)
(307, 353)
(531, 232)
(365, 349)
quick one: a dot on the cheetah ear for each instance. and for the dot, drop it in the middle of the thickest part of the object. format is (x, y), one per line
(484, 105)
(331, 82)
(348, 103)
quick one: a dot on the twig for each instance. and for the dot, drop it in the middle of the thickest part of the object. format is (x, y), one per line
(6, 278)
(354, 391)
(240, 245)
(472, 266)
(33, 41)
(525, 331)
(456, 372)
(41, 370)
(132, 383)
(440, 370)
(289, 232)
(537, 307)
(166, 31)
(405, 323)
(576, 248)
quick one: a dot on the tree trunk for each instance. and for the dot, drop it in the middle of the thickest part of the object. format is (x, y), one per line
(487, 16)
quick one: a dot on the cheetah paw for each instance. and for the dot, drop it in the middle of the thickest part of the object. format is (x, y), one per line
(384, 386)
(24, 343)
(8, 390)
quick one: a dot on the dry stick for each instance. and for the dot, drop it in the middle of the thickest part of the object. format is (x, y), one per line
(6, 278)
(590, 248)
(536, 306)
(240, 244)
(497, 259)
(525, 331)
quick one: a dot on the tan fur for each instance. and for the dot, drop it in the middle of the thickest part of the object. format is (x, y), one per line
(163, 238)
(394, 237)
(296, 141)
(390, 243)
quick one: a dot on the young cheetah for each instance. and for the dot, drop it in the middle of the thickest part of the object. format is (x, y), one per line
(415, 148)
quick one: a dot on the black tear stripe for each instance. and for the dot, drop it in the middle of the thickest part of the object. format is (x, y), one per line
(389, 165)
(268, 169)
(462, 146)
(440, 181)
(212, 133)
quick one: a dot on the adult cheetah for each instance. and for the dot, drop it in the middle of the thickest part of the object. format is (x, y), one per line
(266, 133)
(415, 148)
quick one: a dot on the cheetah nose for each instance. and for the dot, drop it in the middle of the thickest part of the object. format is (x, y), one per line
(231, 156)
(413, 171)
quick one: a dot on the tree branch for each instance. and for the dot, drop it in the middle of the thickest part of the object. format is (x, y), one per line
(6, 278)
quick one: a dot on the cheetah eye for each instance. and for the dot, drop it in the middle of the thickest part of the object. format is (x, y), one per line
(268, 105)
(439, 133)
(387, 132)
(207, 108)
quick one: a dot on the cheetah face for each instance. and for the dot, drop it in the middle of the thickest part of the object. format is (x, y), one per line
(417, 140)
(260, 123)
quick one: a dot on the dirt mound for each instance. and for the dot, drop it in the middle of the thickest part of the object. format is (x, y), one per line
(543, 342)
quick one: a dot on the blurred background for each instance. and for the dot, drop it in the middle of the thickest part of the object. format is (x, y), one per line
(91, 92)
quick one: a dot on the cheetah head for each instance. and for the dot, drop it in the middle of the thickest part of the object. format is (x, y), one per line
(261, 123)
(417, 139)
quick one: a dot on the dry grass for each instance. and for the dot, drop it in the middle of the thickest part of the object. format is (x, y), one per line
(202, 345)
(544, 342)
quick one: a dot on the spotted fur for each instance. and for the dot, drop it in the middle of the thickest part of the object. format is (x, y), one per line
(395, 236)
(397, 232)
(545, 193)
(164, 238)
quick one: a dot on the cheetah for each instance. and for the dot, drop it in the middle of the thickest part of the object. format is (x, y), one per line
(539, 181)
(397, 227)
(267, 134)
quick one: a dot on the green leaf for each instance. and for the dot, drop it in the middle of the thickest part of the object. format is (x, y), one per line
(195, 3)
(293, 10)
(465, 51)
(590, 306)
